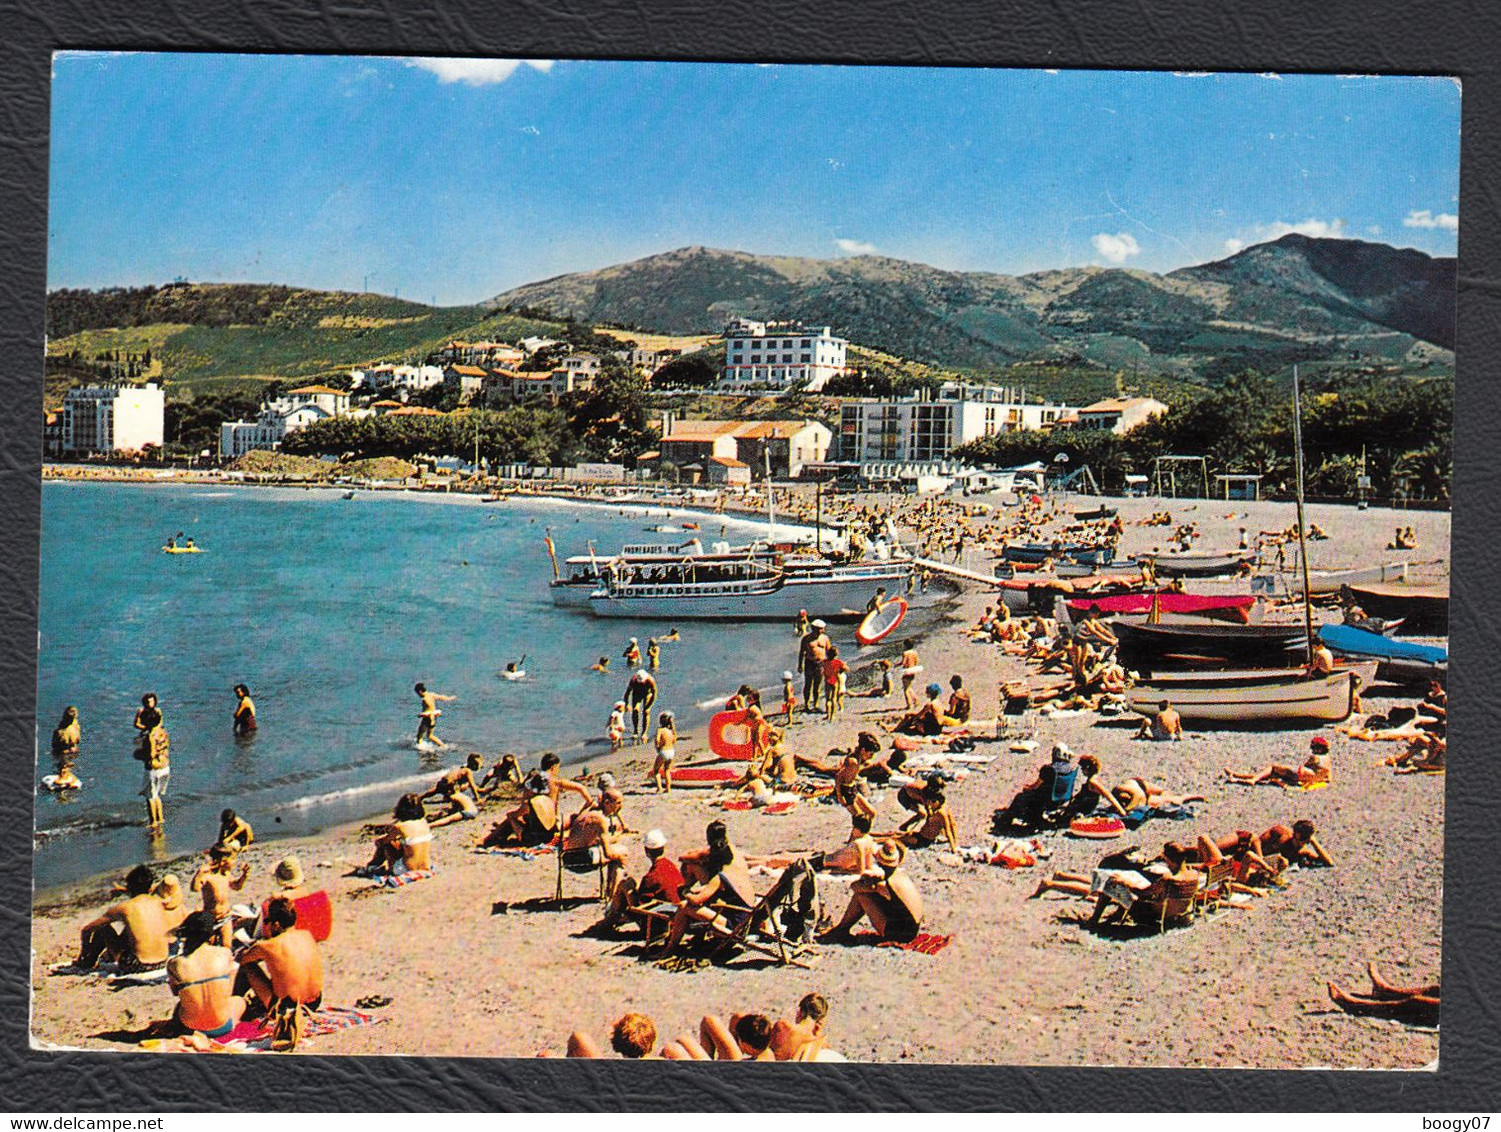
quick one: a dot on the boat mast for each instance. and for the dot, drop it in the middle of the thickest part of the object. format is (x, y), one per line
(1302, 540)
(771, 502)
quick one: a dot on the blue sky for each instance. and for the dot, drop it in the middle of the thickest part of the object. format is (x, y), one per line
(453, 180)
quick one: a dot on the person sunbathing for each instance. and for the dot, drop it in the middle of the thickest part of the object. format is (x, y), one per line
(889, 900)
(461, 777)
(132, 934)
(847, 788)
(1316, 768)
(746, 1037)
(406, 844)
(803, 1038)
(1128, 865)
(1398, 724)
(1090, 792)
(1164, 724)
(857, 855)
(633, 1037)
(1424, 755)
(719, 876)
(589, 843)
(534, 822)
(285, 967)
(202, 978)
(458, 806)
(1128, 886)
(1417, 1004)
(661, 883)
(931, 817)
(928, 720)
(506, 769)
(1295, 846)
(1136, 793)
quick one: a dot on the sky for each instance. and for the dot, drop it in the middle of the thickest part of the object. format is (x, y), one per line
(449, 181)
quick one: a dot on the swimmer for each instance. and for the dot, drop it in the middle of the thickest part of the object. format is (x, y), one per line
(601, 665)
(514, 671)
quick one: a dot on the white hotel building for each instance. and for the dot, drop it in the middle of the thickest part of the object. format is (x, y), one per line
(780, 356)
(280, 416)
(113, 418)
(922, 430)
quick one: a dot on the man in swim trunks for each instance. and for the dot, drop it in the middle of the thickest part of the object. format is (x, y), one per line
(244, 721)
(202, 977)
(640, 694)
(889, 900)
(285, 966)
(139, 942)
(427, 719)
(910, 667)
(959, 702)
(214, 881)
(812, 651)
(1165, 724)
(589, 843)
(459, 778)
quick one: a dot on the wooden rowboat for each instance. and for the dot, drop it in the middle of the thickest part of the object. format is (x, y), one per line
(1197, 563)
(1422, 608)
(1279, 698)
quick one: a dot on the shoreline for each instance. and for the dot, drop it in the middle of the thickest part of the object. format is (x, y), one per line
(1245, 989)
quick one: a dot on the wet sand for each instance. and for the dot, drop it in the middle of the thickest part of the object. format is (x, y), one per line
(1020, 983)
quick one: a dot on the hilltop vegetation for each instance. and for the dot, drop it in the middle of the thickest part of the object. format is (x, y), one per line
(222, 338)
(1295, 299)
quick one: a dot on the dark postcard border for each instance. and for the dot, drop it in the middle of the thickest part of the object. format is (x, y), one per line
(1375, 36)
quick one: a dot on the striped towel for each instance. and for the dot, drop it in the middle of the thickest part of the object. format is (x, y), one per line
(405, 878)
(526, 853)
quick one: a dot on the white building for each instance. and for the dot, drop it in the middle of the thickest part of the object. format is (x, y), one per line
(1120, 414)
(280, 416)
(758, 354)
(389, 376)
(919, 430)
(113, 418)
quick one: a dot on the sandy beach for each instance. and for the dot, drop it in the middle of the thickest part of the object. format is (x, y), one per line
(1020, 983)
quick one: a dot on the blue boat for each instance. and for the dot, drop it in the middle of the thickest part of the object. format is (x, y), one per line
(1402, 662)
(1037, 552)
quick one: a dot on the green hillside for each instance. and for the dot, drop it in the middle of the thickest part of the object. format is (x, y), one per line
(211, 339)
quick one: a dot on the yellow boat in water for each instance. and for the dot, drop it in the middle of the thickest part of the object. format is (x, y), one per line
(182, 550)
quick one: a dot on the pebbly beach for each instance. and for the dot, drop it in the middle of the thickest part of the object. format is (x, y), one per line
(478, 960)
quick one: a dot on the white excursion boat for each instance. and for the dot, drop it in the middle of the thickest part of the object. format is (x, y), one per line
(1251, 698)
(581, 574)
(746, 588)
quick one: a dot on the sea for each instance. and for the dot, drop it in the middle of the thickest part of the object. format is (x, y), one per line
(330, 610)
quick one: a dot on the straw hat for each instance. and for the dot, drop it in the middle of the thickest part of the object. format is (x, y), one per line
(169, 889)
(891, 854)
(289, 872)
(820, 623)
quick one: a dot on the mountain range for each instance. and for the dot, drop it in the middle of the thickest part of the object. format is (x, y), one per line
(1294, 298)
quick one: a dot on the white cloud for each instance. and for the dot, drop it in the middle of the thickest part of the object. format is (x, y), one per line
(1117, 248)
(1373, 229)
(855, 247)
(477, 72)
(1232, 245)
(1319, 229)
(1422, 218)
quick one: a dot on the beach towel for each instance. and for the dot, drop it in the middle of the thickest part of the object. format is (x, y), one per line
(923, 943)
(111, 971)
(388, 881)
(784, 806)
(526, 853)
(255, 1036)
(1142, 814)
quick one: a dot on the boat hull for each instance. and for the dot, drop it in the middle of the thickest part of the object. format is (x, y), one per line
(1423, 609)
(1280, 700)
(1197, 565)
(839, 598)
(1145, 646)
(1326, 583)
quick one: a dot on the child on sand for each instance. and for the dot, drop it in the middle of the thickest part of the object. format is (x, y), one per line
(666, 743)
(789, 698)
(616, 727)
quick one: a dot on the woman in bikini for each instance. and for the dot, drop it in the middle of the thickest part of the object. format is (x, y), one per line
(202, 978)
(725, 880)
(406, 846)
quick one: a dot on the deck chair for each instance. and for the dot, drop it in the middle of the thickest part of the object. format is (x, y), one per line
(597, 864)
(779, 926)
(1170, 900)
(1215, 891)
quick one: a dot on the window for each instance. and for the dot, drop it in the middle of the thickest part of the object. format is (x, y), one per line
(807, 358)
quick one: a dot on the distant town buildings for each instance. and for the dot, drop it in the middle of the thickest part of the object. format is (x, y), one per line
(758, 354)
(790, 445)
(1120, 414)
(112, 418)
(924, 429)
(412, 378)
(279, 417)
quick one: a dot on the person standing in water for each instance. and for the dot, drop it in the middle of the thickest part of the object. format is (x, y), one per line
(653, 654)
(640, 694)
(244, 711)
(66, 738)
(427, 719)
(153, 749)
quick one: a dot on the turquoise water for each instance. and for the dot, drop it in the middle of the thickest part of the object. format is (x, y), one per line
(329, 610)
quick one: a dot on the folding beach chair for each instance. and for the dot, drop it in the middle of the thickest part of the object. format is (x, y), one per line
(1215, 891)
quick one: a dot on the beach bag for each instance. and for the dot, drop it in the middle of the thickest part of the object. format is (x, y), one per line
(289, 1024)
